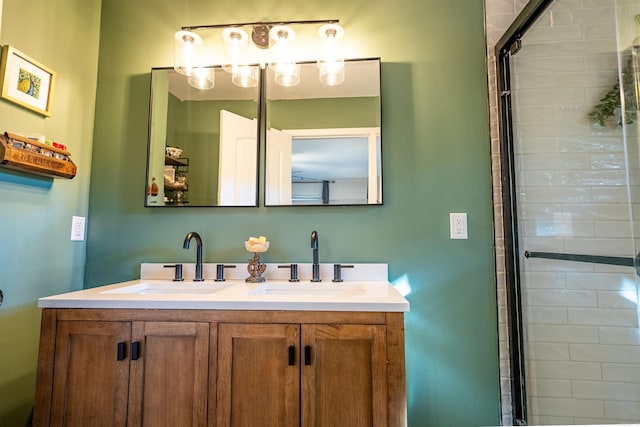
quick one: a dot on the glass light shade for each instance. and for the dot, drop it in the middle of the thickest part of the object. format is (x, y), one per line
(202, 78)
(246, 76)
(287, 75)
(287, 72)
(186, 51)
(331, 63)
(331, 73)
(235, 42)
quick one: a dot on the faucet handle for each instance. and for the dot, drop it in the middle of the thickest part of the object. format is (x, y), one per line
(337, 271)
(220, 272)
(177, 276)
(293, 277)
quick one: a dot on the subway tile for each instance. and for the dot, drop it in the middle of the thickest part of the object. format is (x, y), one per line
(542, 244)
(557, 96)
(547, 352)
(612, 229)
(599, 31)
(590, 143)
(531, 50)
(593, 178)
(583, 48)
(609, 211)
(550, 265)
(627, 373)
(564, 370)
(541, 34)
(584, 16)
(568, 407)
(493, 7)
(559, 298)
(620, 335)
(544, 420)
(629, 410)
(618, 299)
(599, 281)
(605, 421)
(605, 247)
(604, 353)
(546, 315)
(555, 194)
(562, 334)
(557, 228)
(557, 161)
(554, 65)
(548, 388)
(544, 280)
(607, 61)
(609, 195)
(603, 317)
(605, 390)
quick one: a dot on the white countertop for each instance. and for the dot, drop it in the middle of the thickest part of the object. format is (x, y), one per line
(153, 292)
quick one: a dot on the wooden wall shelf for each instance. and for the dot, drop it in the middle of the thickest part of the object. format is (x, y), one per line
(19, 153)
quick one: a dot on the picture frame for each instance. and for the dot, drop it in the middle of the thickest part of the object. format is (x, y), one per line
(26, 82)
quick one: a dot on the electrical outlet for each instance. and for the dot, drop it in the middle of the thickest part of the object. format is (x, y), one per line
(458, 225)
(77, 228)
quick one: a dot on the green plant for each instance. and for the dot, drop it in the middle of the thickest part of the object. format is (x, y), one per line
(611, 104)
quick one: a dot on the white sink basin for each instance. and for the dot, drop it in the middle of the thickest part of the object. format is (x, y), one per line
(329, 289)
(169, 288)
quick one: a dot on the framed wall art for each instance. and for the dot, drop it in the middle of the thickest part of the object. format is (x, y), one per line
(26, 82)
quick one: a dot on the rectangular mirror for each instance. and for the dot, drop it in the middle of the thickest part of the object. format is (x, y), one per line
(323, 144)
(203, 143)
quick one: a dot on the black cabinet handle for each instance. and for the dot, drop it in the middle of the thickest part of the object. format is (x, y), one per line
(122, 351)
(307, 355)
(292, 355)
(135, 350)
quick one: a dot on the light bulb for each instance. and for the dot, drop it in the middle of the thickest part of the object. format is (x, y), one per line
(186, 51)
(202, 78)
(245, 76)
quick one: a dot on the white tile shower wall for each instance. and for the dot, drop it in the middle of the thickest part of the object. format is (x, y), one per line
(572, 184)
(582, 360)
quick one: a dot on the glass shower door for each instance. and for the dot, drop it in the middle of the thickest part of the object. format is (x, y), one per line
(575, 173)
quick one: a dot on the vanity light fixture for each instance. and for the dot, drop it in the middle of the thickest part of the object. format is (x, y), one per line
(331, 63)
(186, 52)
(275, 38)
(202, 78)
(287, 72)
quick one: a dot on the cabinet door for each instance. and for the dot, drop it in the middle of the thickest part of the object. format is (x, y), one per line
(258, 375)
(169, 374)
(344, 381)
(91, 376)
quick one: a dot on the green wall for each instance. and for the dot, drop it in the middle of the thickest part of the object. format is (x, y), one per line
(37, 256)
(436, 160)
(324, 113)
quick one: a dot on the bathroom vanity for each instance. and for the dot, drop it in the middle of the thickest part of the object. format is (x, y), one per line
(223, 354)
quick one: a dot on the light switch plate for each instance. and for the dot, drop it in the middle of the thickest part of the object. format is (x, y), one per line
(77, 228)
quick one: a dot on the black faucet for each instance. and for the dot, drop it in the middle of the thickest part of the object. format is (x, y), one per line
(187, 239)
(316, 265)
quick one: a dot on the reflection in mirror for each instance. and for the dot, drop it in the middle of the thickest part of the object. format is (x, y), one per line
(323, 142)
(203, 143)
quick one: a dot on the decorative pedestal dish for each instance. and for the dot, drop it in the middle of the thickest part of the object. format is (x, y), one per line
(255, 268)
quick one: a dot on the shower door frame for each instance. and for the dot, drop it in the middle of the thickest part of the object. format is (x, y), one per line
(508, 45)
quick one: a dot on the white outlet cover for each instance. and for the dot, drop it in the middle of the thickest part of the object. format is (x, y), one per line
(77, 228)
(458, 225)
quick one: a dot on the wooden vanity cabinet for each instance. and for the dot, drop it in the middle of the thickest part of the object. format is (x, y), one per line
(220, 368)
(306, 374)
(119, 373)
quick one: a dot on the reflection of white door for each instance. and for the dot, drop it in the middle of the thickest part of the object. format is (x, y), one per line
(238, 160)
(278, 173)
